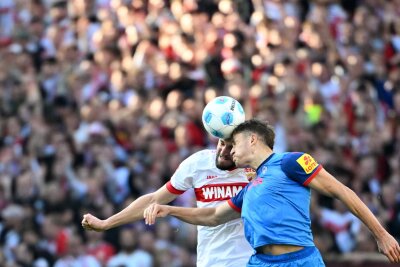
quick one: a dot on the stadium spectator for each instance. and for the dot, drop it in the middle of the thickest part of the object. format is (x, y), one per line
(143, 71)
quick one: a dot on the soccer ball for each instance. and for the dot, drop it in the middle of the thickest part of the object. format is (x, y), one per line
(221, 115)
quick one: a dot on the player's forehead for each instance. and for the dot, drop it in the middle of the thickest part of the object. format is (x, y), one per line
(237, 137)
(224, 142)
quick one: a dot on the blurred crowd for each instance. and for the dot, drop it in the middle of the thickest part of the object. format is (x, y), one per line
(102, 99)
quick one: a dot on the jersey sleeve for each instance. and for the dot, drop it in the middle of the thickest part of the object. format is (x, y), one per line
(300, 167)
(182, 179)
(236, 202)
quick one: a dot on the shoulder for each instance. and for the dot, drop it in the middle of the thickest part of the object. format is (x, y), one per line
(201, 159)
(204, 153)
(300, 166)
(291, 157)
(299, 159)
(201, 155)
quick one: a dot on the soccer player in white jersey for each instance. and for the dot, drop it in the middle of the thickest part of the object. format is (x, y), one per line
(213, 176)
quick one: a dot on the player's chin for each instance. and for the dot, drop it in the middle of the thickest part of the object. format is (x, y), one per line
(237, 163)
(224, 164)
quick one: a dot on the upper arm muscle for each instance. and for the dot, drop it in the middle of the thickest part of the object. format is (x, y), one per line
(225, 213)
(326, 184)
(164, 196)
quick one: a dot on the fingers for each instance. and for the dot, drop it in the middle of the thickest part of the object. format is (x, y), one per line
(395, 253)
(145, 215)
(392, 252)
(150, 214)
(390, 257)
(85, 223)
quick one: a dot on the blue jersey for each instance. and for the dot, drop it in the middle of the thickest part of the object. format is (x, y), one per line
(275, 207)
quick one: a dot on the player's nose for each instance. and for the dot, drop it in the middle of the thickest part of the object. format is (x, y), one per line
(226, 151)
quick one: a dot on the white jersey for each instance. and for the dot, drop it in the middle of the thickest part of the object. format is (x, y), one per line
(223, 245)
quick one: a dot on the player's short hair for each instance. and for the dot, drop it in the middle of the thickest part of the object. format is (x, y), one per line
(260, 128)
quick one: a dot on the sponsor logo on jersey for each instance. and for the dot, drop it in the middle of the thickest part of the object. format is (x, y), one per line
(308, 163)
(255, 182)
(218, 192)
(211, 176)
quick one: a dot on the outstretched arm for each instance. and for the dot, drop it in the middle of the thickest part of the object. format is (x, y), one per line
(198, 216)
(326, 184)
(132, 213)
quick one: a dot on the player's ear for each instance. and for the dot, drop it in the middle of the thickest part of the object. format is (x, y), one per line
(253, 138)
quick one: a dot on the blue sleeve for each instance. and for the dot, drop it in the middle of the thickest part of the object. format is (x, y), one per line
(300, 167)
(236, 202)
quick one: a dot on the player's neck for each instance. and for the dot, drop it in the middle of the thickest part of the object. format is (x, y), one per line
(260, 156)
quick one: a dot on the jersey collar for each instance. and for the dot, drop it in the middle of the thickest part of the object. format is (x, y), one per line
(232, 169)
(265, 161)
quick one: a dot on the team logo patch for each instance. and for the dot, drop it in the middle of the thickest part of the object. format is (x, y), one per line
(264, 170)
(250, 173)
(307, 162)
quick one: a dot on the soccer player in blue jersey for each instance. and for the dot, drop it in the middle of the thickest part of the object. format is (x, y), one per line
(275, 207)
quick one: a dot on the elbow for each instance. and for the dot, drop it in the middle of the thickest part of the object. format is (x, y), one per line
(152, 199)
(213, 223)
(209, 219)
(336, 190)
(344, 193)
(148, 199)
(208, 223)
(204, 220)
(215, 220)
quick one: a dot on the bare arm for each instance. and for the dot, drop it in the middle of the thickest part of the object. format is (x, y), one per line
(198, 216)
(132, 213)
(326, 184)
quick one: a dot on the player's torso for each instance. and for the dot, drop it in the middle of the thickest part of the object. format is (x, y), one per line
(271, 185)
(213, 186)
(223, 245)
(277, 199)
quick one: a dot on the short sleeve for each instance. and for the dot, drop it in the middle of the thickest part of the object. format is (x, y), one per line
(182, 179)
(236, 202)
(300, 167)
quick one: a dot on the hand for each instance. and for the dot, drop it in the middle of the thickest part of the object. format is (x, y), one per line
(388, 246)
(90, 222)
(153, 211)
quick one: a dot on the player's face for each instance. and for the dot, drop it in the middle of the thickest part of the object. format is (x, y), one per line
(224, 160)
(240, 150)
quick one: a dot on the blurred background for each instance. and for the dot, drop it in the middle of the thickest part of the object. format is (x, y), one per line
(102, 99)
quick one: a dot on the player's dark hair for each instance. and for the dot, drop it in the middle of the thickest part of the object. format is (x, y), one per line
(261, 128)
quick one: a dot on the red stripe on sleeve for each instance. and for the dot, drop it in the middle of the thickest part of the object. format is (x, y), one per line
(173, 190)
(233, 206)
(309, 179)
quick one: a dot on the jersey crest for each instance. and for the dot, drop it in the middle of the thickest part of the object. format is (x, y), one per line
(250, 173)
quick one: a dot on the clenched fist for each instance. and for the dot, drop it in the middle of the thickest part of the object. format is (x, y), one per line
(90, 222)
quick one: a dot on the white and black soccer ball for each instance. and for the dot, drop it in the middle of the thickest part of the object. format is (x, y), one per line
(221, 115)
